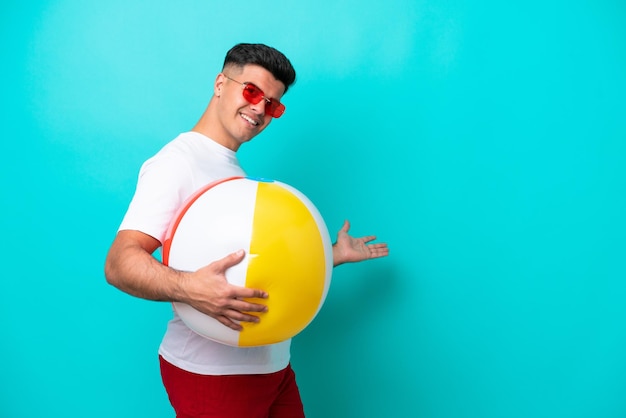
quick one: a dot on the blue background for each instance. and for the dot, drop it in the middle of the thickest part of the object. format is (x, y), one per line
(484, 141)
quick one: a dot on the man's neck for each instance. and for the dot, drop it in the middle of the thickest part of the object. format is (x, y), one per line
(209, 127)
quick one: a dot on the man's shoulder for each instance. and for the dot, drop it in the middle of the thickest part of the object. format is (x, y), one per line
(183, 146)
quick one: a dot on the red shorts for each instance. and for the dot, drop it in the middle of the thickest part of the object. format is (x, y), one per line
(273, 395)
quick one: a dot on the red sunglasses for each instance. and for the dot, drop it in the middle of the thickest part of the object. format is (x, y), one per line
(254, 95)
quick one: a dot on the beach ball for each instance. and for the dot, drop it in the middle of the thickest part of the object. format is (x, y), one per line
(288, 254)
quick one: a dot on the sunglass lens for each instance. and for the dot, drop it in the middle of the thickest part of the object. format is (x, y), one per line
(275, 109)
(252, 93)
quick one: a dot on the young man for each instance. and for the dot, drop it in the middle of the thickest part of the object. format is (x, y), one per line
(204, 378)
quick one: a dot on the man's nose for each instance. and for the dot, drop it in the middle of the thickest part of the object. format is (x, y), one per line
(259, 108)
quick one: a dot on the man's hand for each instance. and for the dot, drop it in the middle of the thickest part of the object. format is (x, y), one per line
(208, 291)
(348, 249)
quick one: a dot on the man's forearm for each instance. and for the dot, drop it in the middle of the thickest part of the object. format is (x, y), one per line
(132, 269)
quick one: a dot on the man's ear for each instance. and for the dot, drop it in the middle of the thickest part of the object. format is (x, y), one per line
(217, 86)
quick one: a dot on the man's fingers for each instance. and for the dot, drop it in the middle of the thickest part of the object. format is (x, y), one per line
(368, 238)
(229, 323)
(245, 306)
(230, 260)
(248, 293)
(232, 319)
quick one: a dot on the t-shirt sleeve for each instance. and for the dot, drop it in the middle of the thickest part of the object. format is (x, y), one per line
(164, 183)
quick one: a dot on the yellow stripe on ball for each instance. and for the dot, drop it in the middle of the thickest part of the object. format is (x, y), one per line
(288, 260)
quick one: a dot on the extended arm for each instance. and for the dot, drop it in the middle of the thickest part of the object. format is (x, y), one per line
(348, 249)
(131, 268)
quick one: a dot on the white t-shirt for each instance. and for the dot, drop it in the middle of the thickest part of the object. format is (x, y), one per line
(166, 180)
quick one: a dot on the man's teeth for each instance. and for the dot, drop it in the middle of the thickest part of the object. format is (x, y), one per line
(249, 119)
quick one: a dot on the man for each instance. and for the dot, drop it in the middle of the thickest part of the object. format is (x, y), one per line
(204, 378)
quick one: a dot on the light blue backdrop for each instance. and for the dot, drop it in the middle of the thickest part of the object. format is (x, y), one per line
(484, 141)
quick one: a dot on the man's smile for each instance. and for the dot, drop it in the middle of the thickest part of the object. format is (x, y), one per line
(250, 120)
